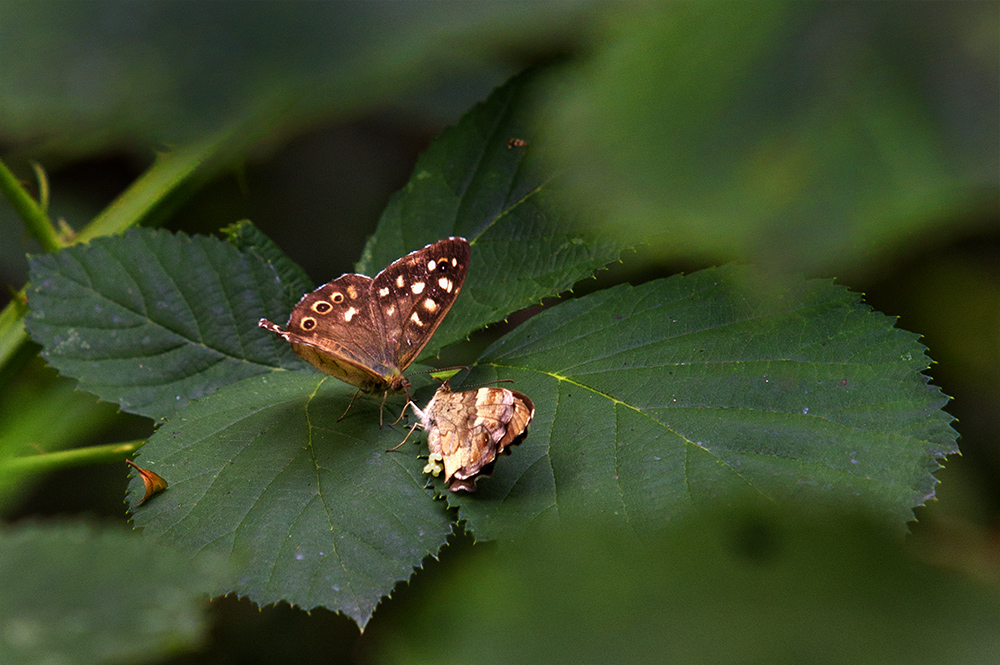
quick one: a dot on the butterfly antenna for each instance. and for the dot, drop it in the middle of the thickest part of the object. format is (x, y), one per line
(488, 383)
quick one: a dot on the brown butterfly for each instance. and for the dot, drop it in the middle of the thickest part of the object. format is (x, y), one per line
(468, 429)
(366, 331)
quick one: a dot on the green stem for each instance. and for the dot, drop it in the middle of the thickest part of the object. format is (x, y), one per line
(172, 177)
(35, 219)
(12, 334)
(64, 459)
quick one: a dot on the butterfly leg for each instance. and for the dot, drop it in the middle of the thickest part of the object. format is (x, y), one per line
(402, 413)
(381, 408)
(351, 403)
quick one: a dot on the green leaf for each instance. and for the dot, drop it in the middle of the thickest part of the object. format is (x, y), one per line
(248, 238)
(152, 320)
(654, 400)
(311, 510)
(739, 587)
(173, 178)
(281, 429)
(79, 594)
(526, 243)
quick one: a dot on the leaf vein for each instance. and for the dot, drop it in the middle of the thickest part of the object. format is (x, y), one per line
(161, 326)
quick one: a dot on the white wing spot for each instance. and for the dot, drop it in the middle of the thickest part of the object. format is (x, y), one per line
(445, 284)
(454, 263)
(431, 265)
(384, 291)
(417, 288)
(390, 311)
(430, 305)
(351, 291)
(349, 314)
(416, 319)
(399, 281)
(483, 396)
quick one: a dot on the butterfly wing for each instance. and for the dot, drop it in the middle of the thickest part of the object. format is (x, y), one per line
(469, 429)
(367, 331)
(461, 450)
(413, 295)
(522, 410)
(333, 329)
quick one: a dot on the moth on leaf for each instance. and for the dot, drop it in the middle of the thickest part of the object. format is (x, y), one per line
(468, 429)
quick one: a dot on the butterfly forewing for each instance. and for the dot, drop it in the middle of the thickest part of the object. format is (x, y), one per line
(413, 295)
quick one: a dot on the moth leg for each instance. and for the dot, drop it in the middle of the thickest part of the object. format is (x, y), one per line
(390, 450)
(351, 403)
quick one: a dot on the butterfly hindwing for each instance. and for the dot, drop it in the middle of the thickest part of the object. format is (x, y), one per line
(332, 327)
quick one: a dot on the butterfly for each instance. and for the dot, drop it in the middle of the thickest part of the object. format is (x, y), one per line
(366, 331)
(468, 429)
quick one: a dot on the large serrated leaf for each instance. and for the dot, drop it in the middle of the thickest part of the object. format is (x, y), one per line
(656, 399)
(312, 510)
(651, 401)
(473, 182)
(151, 320)
(76, 594)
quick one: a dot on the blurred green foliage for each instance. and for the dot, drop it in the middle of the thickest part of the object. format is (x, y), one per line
(855, 140)
(834, 127)
(742, 585)
(135, 600)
